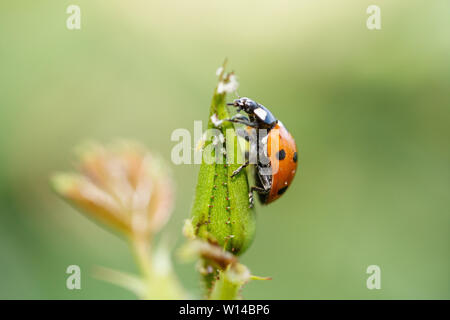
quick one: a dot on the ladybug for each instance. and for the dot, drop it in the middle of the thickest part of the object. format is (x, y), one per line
(274, 147)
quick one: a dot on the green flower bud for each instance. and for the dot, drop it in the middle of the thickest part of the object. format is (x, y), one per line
(221, 213)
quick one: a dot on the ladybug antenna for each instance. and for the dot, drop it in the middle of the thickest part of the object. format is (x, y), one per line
(231, 103)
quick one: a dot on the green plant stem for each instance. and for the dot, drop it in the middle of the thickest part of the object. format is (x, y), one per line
(224, 289)
(161, 283)
(142, 254)
(230, 282)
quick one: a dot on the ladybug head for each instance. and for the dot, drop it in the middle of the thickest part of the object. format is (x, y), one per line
(245, 104)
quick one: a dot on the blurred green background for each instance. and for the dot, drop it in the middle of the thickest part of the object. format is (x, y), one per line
(370, 111)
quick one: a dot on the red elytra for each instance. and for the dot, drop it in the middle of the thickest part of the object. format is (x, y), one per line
(285, 157)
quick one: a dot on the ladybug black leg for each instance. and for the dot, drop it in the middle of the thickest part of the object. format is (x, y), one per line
(239, 118)
(250, 194)
(236, 172)
(243, 134)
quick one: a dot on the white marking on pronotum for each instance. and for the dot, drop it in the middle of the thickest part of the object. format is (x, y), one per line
(261, 113)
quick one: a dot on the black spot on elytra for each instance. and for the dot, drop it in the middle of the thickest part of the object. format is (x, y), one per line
(295, 157)
(282, 190)
(281, 154)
